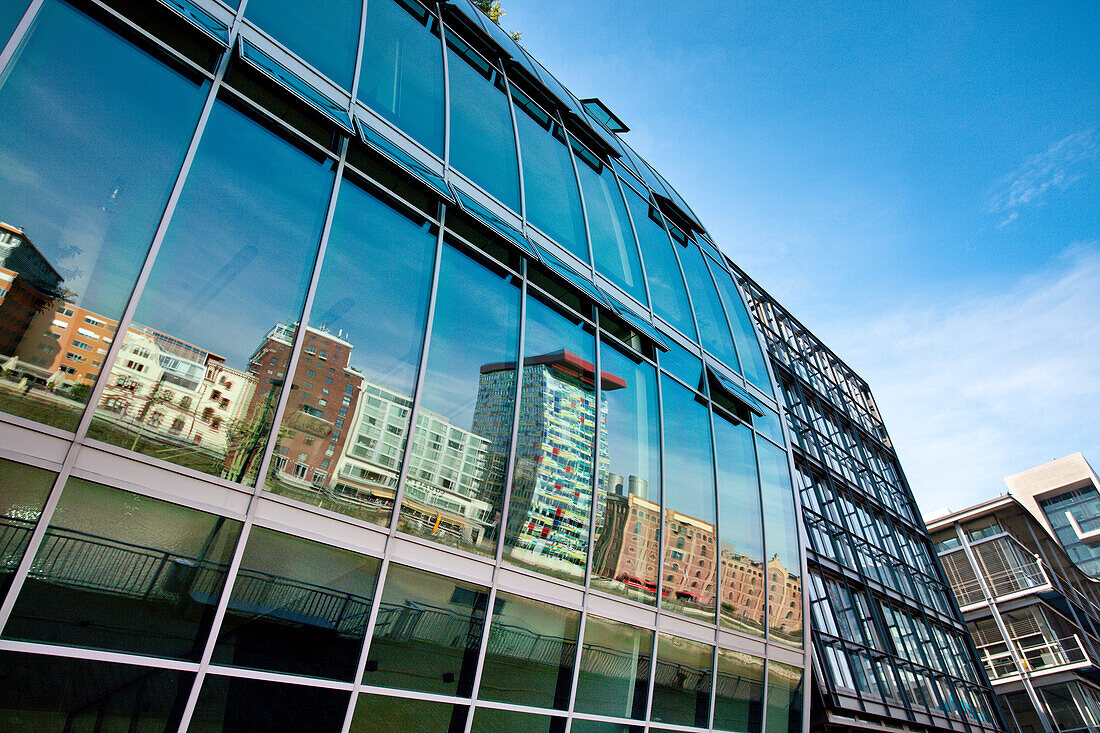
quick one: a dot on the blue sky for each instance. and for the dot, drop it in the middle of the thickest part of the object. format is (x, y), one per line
(918, 183)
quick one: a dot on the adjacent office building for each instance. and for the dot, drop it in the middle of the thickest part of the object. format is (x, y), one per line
(436, 406)
(1019, 567)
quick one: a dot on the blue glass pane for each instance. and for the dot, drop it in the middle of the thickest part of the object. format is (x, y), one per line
(201, 19)
(627, 546)
(401, 77)
(549, 183)
(666, 285)
(709, 314)
(221, 304)
(77, 242)
(744, 336)
(483, 145)
(494, 222)
(580, 281)
(296, 85)
(741, 582)
(458, 456)
(684, 365)
(781, 533)
(691, 551)
(613, 244)
(403, 159)
(323, 32)
(10, 15)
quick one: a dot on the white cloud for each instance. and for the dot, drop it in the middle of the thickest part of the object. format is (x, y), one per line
(973, 389)
(1055, 168)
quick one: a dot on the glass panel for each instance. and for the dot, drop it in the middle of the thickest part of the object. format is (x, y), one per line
(23, 493)
(681, 690)
(344, 430)
(10, 15)
(784, 698)
(614, 675)
(489, 720)
(684, 365)
(769, 424)
(551, 499)
(73, 245)
(625, 553)
(125, 572)
(40, 693)
(529, 659)
(739, 692)
(483, 145)
(748, 348)
(428, 633)
(666, 285)
(297, 606)
(455, 487)
(222, 301)
(401, 77)
(781, 531)
(378, 714)
(233, 705)
(613, 243)
(741, 577)
(690, 512)
(549, 183)
(713, 328)
(324, 33)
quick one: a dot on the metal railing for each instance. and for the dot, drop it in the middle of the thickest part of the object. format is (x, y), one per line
(1035, 657)
(1001, 583)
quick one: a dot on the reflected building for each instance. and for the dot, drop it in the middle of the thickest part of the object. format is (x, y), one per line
(551, 495)
(28, 285)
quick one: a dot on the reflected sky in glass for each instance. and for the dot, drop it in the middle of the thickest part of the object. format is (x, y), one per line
(689, 471)
(713, 329)
(323, 32)
(401, 76)
(748, 348)
(666, 285)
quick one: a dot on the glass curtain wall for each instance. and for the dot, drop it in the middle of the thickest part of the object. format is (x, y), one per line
(418, 363)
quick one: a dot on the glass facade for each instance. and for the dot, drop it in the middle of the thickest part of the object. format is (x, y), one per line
(355, 383)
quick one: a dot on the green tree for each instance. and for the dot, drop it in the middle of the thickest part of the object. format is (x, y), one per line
(494, 11)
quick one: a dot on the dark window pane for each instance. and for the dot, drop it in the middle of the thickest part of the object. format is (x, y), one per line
(739, 692)
(625, 553)
(549, 183)
(40, 693)
(297, 606)
(666, 285)
(613, 243)
(690, 548)
(74, 244)
(489, 720)
(598, 726)
(220, 304)
(781, 533)
(379, 714)
(681, 690)
(367, 323)
(748, 348)
(455, 486)
(401, 77)
(483, 145)
(231, 705)
(124, 572)
(548, 517)
(742, 576)
(784, 698)
(325, 33)
(23, 493)
(428, 633)
(529, 660)
(614, 674)
(709, 314)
